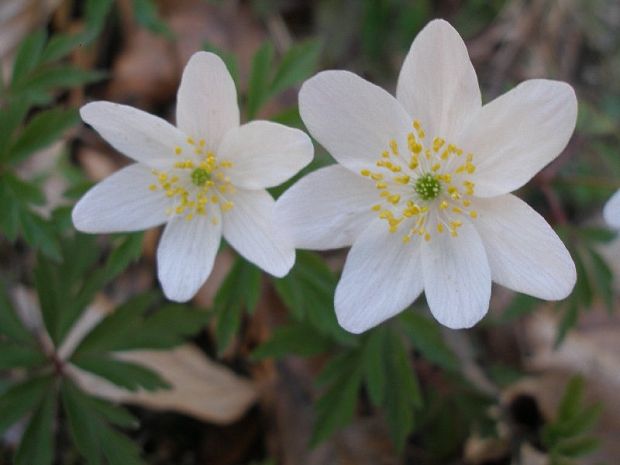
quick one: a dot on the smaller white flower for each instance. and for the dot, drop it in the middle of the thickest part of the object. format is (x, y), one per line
(611, 212)
(422, 189)
(204, 178)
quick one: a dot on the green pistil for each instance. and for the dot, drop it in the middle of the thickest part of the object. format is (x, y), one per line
(200, 176)
(428, 187)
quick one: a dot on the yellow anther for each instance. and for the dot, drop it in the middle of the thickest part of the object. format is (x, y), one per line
(443, 204)
(190, 141)
(466, 202)
(427, 237)
(439, 228)
(394, 147)
(436, 167)
(385, 154)
(376, 207)
(457, 210)
(406, 239)
(394, 199)
(376, 176)
(178, 150)
(152, 187)
(226, 206)
(201, 142)
(381, 185)
(402, 179)
(417, 125)
(189, 217)
(473, 214)
(365, 172)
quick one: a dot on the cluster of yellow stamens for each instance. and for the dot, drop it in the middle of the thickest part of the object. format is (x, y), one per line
(428, 185)
(195, 181)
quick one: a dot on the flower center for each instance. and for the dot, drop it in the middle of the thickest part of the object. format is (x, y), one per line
(428, 186)
(194, 182)
(423, 190)
(200, 176)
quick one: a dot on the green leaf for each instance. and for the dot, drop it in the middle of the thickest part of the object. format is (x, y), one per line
(403, 392)
(336, 407)
(119, 450)
(39, 234)
(146, 15)
(11, 211)
(19, 356)
(46, 127)
(577, 447)
(37, 444)
(258, 86)
(46, 281)
(374, 364)
(10, 325)
(297, 64)
(28, 55)
(83, 426)
(238, 293)
(308, 293)
(57, 77)
(127, 375)
(24, 191)
(571, 400)
(20, 399)
(117, 416)
(11, 117)
(294, 339)
(603, 278)
(426, 337)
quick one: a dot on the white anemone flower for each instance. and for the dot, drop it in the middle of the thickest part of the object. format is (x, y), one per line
(204, 178)
(611, 212)
(422, 186)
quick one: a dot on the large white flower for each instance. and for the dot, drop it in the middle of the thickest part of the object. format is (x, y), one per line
(204, 178)
(421, 191)
(611, 212)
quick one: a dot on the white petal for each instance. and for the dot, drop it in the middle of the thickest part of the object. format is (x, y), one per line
(327, 209)
(135, 133)
(207, 100)
(381, 277)
(122, 202)
(186, 253)
(524, 253)
(250, 230)
(437, 83)
(352, 118)
(611, 212)
(517, 134)
(265, 154)
(457, 278)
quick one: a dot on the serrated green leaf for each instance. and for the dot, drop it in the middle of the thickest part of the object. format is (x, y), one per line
(258, 85)
(374, 364)
(23, 190)
(57, 77)
(83, 426)
(20, 399)
(37, 443)
(10, 325)
(46, 281)
(238, 293)
(577, 447)
(127, 375)
(11, 117)
(11, 211)
(14, 355)
(120, 450)
(294, 339)
(28, 55)
(426, 337)
(115, 415)
(39, 234)
(336, 407)
(46, 127)
(299, 62)
(402, 391)
(308, 293)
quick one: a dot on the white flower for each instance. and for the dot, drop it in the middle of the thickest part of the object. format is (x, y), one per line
(611, 212)
(422, 189)
(204, 178)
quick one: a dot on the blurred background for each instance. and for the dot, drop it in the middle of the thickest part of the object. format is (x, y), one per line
(256, 370)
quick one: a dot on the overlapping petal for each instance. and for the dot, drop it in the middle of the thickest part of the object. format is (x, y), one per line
(207, 105)
(249, 229)
(135, 133)
(121, 202)
(611, 212)
(352, 118)
(186, 253)
(326, 209)
(265, 154)
(519, 133)
(524, 253)
(437, 83)
(457, 277)
(381, 277)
